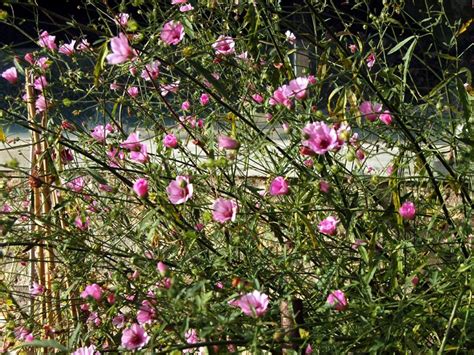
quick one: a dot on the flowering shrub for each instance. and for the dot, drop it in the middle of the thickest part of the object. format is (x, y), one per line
(212, 176)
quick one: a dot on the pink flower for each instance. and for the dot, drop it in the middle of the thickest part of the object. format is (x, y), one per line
(192, 338)
(84, 45)
(100, 132)
(186, 105)
(165, 283)
(225, 142)
(122, 19)
(146, 313)
(370, 110)
(298, 86)
(93, 290)
(132, 142)
(290, 37)
(286, 127)
(253, 304)
(172, 32)
(224, 210)
(175, 2)
(140, 156)
(132, 69)
(309, 163)
(23, 334)
(173, 87)
(76, 184)
(328, 225)
(115, 156)
(36, 289)
(86, 350)
(94, 319)
(386, 117)
(257, 98)
(390, 169)
(324, 186)
(151, 71)
(179, 190)
(121, 50)
(29, 58)
(134, 337)
(407, 210)
(320, 138)
(67, 49)
(338, 300)
(186, 8)
(360, 154)
(41, 103)
(47, 41)
(352, 48)
(133, 91)
(281, 96)
(6, 208)
(42, 63)
(170, 141)
(162, 268)
(204, 99)
(118, 321)
(224, 45)
(140, 186)
(82, 224)
(244, 56)
(40, 83)
(10, 75)
(370, 60)
(279, 186)
(114, 86)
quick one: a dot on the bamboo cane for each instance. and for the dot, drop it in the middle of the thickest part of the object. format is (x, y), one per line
(35, 183)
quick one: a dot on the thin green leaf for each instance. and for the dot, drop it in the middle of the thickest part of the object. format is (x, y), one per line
(407, 59)
(49, 343)
(74, 336)
(100, 64)
(401, 44)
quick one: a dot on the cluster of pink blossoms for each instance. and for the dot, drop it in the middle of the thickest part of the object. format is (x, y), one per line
(373, 110)
(296, 88)
(48, 42)
(137, 150)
